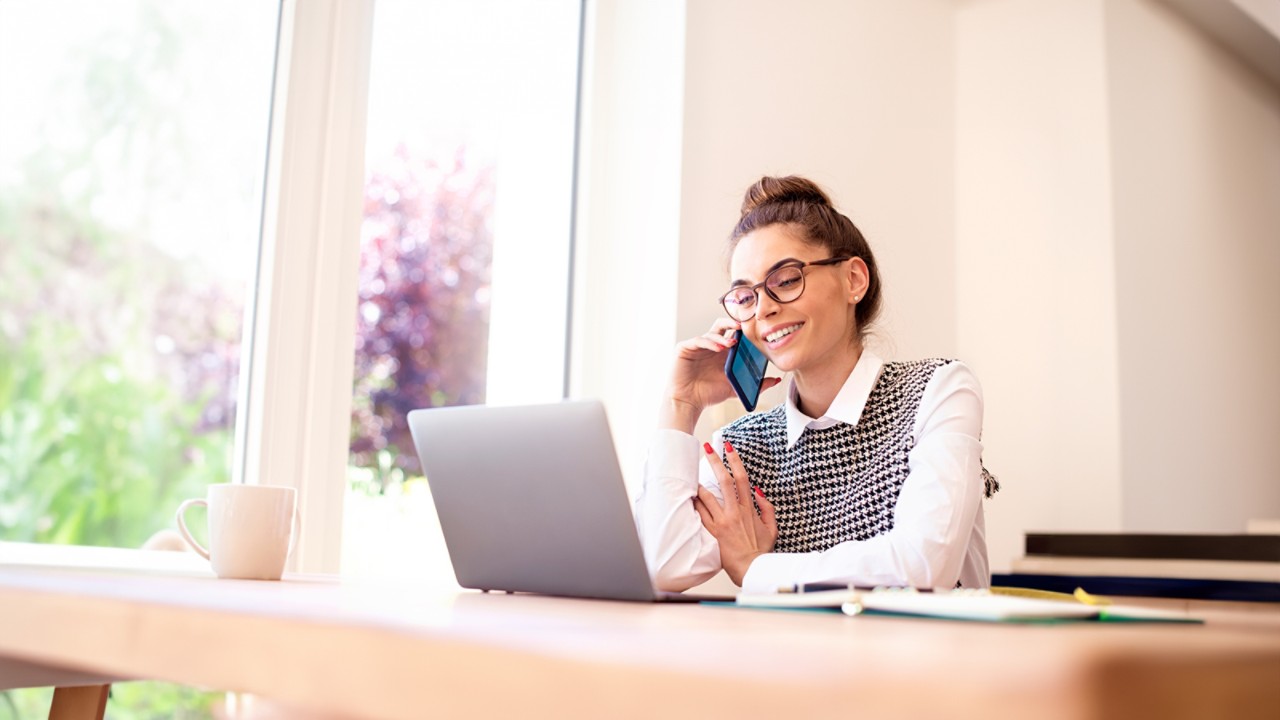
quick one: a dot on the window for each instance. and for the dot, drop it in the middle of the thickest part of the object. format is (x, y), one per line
(133, 142)
(132, 148)
(133, 139)
(464, 268)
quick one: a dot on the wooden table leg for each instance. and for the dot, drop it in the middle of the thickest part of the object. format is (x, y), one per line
(79, 703)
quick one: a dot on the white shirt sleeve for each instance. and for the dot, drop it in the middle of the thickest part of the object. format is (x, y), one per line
(936, 510)
(678, 549)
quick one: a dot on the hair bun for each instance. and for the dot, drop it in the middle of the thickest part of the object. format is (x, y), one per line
(784, 189)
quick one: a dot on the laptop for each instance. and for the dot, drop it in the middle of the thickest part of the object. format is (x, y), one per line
(531, 499)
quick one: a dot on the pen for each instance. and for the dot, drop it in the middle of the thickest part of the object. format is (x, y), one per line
(821, 586)
(815, 587)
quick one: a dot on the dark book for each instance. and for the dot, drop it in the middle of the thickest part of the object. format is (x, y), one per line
(1240, 548)
(1184, 588)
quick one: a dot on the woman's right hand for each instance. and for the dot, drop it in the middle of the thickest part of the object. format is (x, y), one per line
(697, 377)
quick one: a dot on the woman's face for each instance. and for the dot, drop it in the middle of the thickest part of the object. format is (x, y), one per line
(814, 329)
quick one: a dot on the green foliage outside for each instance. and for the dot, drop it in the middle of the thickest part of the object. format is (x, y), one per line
(118, 354)
(101, 436)
(128, 701)
(23, 704)
(90, 453)
(119, 359)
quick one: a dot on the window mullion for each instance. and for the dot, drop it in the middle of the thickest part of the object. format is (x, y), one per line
(299, 403)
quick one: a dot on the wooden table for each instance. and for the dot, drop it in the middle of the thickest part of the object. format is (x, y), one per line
(387, 650)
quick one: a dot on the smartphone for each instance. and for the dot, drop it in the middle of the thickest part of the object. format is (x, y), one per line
(745, 368)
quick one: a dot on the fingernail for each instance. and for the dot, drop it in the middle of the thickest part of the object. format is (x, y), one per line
(707, 447)
(728, 446)
(759, 492)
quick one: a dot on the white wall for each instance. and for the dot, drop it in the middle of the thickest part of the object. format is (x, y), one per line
(857, 96)
(1196, 176)
(1043, 184)
(1035, 262)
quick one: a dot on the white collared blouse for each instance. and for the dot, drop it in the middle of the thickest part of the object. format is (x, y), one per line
(938, 534)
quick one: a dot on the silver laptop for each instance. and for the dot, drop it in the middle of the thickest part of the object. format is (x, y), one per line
(531, 499)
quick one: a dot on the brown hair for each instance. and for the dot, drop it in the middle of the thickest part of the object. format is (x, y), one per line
(802, 205)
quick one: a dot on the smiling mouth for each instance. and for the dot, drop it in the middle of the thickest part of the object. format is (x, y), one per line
(777, 335)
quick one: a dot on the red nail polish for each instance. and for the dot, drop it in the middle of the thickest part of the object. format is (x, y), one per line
(759, 492)
(707, 447)
(728, 446)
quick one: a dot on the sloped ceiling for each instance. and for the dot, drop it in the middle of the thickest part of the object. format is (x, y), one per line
(1249, 28)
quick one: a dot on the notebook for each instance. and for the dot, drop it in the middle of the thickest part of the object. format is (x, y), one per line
(973, 605)
(531, 499)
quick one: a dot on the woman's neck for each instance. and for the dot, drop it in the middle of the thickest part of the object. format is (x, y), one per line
(817, 387)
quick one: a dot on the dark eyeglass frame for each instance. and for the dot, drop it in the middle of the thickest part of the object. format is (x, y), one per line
(755, 289)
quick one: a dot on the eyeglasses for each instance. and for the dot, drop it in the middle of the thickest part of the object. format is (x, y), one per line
(785, 284)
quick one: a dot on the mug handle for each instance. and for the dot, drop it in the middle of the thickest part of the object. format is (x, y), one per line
(182, 525)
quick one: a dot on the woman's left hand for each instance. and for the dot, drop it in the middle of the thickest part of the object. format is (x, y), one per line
(743, 534)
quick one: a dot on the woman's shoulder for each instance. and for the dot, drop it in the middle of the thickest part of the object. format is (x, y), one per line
(930, 367)
(949, 397)
(936, 374)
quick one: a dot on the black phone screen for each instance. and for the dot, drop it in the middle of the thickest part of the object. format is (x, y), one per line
(745, 369)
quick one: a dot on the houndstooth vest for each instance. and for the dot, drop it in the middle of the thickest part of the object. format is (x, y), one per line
(840, 483)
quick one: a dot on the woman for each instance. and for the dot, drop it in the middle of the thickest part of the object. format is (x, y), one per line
(870, 473)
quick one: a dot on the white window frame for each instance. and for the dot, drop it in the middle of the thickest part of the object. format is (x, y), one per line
(296, 427)
(297, 395)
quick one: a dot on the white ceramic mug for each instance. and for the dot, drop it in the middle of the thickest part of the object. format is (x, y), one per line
(252, 529)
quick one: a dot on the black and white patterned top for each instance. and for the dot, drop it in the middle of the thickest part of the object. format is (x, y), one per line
(842, 482)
